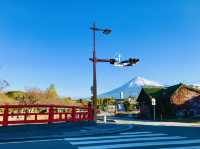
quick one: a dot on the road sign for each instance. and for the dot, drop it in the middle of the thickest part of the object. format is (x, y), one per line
(153, 101)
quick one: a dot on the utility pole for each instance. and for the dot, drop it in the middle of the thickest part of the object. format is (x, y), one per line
(95, 60)
(94, 101)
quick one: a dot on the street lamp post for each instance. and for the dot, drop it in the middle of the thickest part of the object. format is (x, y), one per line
(94, 88)
(95, 60)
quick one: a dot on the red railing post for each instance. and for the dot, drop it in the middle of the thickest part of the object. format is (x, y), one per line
(5, 115)
(35, 117)
(51, 114)
(73, 114)
(90, 112)
(25, 115)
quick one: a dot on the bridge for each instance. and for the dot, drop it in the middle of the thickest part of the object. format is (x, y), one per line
(30, 114)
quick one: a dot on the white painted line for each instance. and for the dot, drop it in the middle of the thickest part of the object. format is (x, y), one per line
(133, 133)
(113, 137)
(83, 130)
(185, 147)
(143, 144)
(127, 140)
(31, 141)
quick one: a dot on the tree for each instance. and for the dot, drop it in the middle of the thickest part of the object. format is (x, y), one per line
(30, 97)
(67, 100)
(51, 92)
(83, 102)
(127, 105)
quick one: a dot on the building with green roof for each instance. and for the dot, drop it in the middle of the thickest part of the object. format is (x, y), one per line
(173, 101)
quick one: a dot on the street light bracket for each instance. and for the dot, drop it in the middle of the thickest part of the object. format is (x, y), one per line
(105, 31)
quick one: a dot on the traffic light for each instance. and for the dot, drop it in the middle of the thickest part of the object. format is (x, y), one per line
(113, 61)
(133, 61)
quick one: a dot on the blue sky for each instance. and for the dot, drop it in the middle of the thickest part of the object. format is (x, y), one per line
(44, 42)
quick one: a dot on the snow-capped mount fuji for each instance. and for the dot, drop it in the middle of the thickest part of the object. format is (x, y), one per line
(139, 81)
(132, 88)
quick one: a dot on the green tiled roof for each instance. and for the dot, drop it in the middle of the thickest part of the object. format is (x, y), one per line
(149, 92)
(152, 91)
(159, 93)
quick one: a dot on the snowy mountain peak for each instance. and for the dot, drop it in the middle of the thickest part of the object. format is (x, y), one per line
(132, 88)
(139, 81)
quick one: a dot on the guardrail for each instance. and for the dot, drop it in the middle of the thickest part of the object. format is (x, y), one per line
(28, 114)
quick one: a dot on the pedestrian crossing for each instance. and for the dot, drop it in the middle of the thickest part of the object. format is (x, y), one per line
(140, 139)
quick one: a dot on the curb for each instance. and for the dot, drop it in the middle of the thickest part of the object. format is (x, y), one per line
(158, 123)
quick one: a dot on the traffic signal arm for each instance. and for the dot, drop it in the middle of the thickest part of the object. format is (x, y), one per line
(112, 61)
(129, 62)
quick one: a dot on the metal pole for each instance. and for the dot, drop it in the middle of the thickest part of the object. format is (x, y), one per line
(94, 75)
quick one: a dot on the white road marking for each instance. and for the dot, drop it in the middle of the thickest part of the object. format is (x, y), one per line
(126, 140)
(113, 137)
(133, 133)
(83, 130)
(185, 147)
(31, 141)
(143, 144)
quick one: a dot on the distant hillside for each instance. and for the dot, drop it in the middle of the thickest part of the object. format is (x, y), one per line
(36, 97)
(5, 99)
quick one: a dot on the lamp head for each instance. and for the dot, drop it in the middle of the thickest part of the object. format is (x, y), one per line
(107, 31)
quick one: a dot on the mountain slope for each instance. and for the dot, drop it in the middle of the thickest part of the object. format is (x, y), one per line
(195, 85)
(132, 88)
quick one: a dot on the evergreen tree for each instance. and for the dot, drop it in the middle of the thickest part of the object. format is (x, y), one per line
(51, 91)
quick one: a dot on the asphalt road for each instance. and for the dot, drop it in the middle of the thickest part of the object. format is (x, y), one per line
(140, 137)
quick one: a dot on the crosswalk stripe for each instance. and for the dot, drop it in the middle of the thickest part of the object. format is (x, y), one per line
(185, 147)
(113, 137)
(133, 133)
(126, 140)
(143, 144)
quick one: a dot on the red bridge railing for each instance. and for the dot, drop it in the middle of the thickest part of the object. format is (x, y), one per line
(24, 114)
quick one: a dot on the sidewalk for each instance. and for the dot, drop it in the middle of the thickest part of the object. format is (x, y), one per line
(59, 130)
(130, 121)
